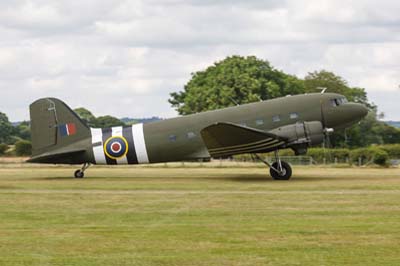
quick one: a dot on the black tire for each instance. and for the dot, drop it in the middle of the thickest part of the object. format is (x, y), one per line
(79, 174)
(286, 171)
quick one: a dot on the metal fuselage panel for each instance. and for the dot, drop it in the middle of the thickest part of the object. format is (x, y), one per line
(179, 139)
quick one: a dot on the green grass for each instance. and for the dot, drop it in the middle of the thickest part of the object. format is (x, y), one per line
(199, 216)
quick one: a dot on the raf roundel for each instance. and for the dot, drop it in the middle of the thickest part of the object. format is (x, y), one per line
(116, 147)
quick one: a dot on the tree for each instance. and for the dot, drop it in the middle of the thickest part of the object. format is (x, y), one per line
(99, 122)
(107, 121)
(368, 132)
(6, 129)
(86, 116)
(316, 80)
(234, 80)
(23, 131)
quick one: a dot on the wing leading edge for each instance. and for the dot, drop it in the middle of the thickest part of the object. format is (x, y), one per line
(225, 139)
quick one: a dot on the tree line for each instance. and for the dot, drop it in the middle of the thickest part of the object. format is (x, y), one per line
(240, 80)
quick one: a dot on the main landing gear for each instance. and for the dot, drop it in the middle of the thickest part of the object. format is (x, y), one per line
(279, 170)
(80, 173)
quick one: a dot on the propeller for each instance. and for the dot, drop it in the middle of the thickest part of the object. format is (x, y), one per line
(327, 131)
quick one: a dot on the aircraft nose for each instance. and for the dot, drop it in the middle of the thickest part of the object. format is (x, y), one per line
(359, 110)
(346, 115)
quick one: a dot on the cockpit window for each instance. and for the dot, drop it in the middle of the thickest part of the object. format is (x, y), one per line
(338, 101)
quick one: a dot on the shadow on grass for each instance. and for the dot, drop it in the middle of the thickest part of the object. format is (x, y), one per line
(250, 178)
(267, 178)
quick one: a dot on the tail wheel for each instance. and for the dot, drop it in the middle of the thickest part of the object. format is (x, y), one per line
(285, 174)
(79, 174)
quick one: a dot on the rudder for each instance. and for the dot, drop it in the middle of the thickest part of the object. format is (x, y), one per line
(54, 125)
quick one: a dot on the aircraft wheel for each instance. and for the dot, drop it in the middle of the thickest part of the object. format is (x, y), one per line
(79, 174)
(286, 173)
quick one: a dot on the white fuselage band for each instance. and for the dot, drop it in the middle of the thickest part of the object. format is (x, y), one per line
(97, 138)
(140, 144)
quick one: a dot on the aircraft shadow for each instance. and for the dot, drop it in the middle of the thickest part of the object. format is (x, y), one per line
(252, 178)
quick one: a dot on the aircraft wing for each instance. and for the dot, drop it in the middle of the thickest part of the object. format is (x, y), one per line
(225, 139)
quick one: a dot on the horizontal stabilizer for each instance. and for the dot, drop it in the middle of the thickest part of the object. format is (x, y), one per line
(65, 157)
(226, 139)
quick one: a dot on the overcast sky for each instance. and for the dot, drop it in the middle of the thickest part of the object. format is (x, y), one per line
(124, 57)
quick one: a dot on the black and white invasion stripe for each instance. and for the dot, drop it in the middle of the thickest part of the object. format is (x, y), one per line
(137, 152)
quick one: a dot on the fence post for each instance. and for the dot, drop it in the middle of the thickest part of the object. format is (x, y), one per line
(359, 161)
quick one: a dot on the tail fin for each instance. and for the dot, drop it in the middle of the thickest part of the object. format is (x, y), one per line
(55, 127)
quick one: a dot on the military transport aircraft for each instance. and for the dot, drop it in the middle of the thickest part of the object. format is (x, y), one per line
(59, 136)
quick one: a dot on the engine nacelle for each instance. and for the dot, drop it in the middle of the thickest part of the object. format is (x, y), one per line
(302, 134)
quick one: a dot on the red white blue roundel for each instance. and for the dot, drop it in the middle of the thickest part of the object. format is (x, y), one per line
(116, 147)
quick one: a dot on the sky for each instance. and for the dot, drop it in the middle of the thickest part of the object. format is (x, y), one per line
(123, 58)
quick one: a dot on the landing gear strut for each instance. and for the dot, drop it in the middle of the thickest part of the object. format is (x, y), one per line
(279, 170)
(80, 173)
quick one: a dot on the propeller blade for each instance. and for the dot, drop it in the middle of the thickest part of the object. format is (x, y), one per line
(327, 131)
(323, 121)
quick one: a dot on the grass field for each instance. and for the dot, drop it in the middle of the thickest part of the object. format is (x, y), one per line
(199, 216)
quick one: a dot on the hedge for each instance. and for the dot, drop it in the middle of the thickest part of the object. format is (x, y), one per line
(23, 148)
(3, 148)
(379, 155)
(392, 149)
(372, 154)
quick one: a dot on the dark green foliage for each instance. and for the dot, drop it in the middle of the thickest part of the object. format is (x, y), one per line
(370, 155)
(23, 148)
(381, 157)
(132, 121)
(6, 129)
(316, 80)
(3, 148)
(369, 131)
(98, 122)
(319, 154)
(248, 79)
(393, 150)
(234, 80)
(86, 116)
(108, 121)
(23, 131)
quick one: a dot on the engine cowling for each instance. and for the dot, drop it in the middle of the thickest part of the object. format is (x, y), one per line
(302, 133)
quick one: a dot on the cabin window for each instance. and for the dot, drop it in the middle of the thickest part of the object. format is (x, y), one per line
(259, 122)
(334, 103)
(190, 135)
(294, 115)
(276, 118)
(172, 138)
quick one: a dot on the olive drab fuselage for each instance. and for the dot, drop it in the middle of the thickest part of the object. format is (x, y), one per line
(180, 139)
